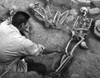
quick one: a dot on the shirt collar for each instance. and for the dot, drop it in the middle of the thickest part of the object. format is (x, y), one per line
(12, 26)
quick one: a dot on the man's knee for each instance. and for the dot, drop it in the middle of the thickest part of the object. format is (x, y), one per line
(38, 67)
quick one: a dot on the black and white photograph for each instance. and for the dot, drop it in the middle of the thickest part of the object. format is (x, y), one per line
(49, 38)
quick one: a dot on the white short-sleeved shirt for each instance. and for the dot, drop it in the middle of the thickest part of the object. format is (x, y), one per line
(12, 43)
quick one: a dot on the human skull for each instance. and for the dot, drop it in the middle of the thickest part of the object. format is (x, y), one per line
(84, 10)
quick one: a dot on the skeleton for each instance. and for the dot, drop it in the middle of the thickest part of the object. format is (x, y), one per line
(47, 17)
(77, 31)
(86, 23)
(82, 26)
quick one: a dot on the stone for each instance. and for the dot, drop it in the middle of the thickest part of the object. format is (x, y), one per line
(97, 23)
(94, 11)
(63, 3)
(69, 19)
(96, 3)
(84, 2)
(97, 28)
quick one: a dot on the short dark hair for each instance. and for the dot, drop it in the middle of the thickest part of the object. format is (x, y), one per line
(19, 18)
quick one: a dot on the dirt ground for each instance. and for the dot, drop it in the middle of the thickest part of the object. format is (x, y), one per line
(85, 64)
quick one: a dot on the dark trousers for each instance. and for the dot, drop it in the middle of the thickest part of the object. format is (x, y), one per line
(38, 67)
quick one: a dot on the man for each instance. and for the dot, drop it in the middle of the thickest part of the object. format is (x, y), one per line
(13, 45)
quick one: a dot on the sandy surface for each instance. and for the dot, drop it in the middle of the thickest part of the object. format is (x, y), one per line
(85, 64)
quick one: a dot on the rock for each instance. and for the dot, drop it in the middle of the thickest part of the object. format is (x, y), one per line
(97, 28)
(69, 19)
(84, 2)
(63, 3)
(97, 23)
(96, 3)
(94, 11)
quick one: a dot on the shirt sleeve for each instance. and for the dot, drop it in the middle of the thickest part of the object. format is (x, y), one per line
(30, 47)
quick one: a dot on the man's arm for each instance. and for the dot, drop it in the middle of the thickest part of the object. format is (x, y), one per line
(32, 48)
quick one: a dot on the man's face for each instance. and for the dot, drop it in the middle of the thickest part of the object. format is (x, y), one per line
(27, 26)
(24, 27)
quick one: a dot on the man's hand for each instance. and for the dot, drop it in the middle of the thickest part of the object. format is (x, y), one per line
(41, 46)
(41, 49)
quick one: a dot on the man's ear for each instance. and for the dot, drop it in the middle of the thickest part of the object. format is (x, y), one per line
(13, 10)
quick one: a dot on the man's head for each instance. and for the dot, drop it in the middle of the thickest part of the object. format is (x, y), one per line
(19, 19)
